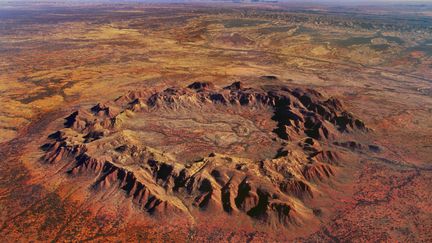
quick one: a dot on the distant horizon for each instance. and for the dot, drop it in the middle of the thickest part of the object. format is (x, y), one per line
(346, 2)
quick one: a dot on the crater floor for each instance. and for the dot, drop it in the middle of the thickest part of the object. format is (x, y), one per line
(193, 132)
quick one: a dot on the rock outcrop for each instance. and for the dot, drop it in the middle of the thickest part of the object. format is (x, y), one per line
(95, 143)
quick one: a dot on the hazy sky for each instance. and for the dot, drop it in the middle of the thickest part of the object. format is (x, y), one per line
(340, 2)
(305, 1)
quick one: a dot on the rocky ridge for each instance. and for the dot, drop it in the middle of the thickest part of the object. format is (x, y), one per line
(273, 190)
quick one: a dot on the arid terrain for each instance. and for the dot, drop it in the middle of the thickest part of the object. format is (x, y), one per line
(233, 122)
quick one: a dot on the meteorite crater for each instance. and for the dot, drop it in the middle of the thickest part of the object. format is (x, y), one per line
(201, 148)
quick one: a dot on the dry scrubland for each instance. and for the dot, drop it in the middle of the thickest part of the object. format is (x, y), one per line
(57, 59)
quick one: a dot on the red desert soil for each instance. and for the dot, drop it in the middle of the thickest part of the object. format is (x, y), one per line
(215, 123)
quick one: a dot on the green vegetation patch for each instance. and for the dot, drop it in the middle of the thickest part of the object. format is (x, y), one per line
(275, 29)
(239, 23)
(380, 47)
